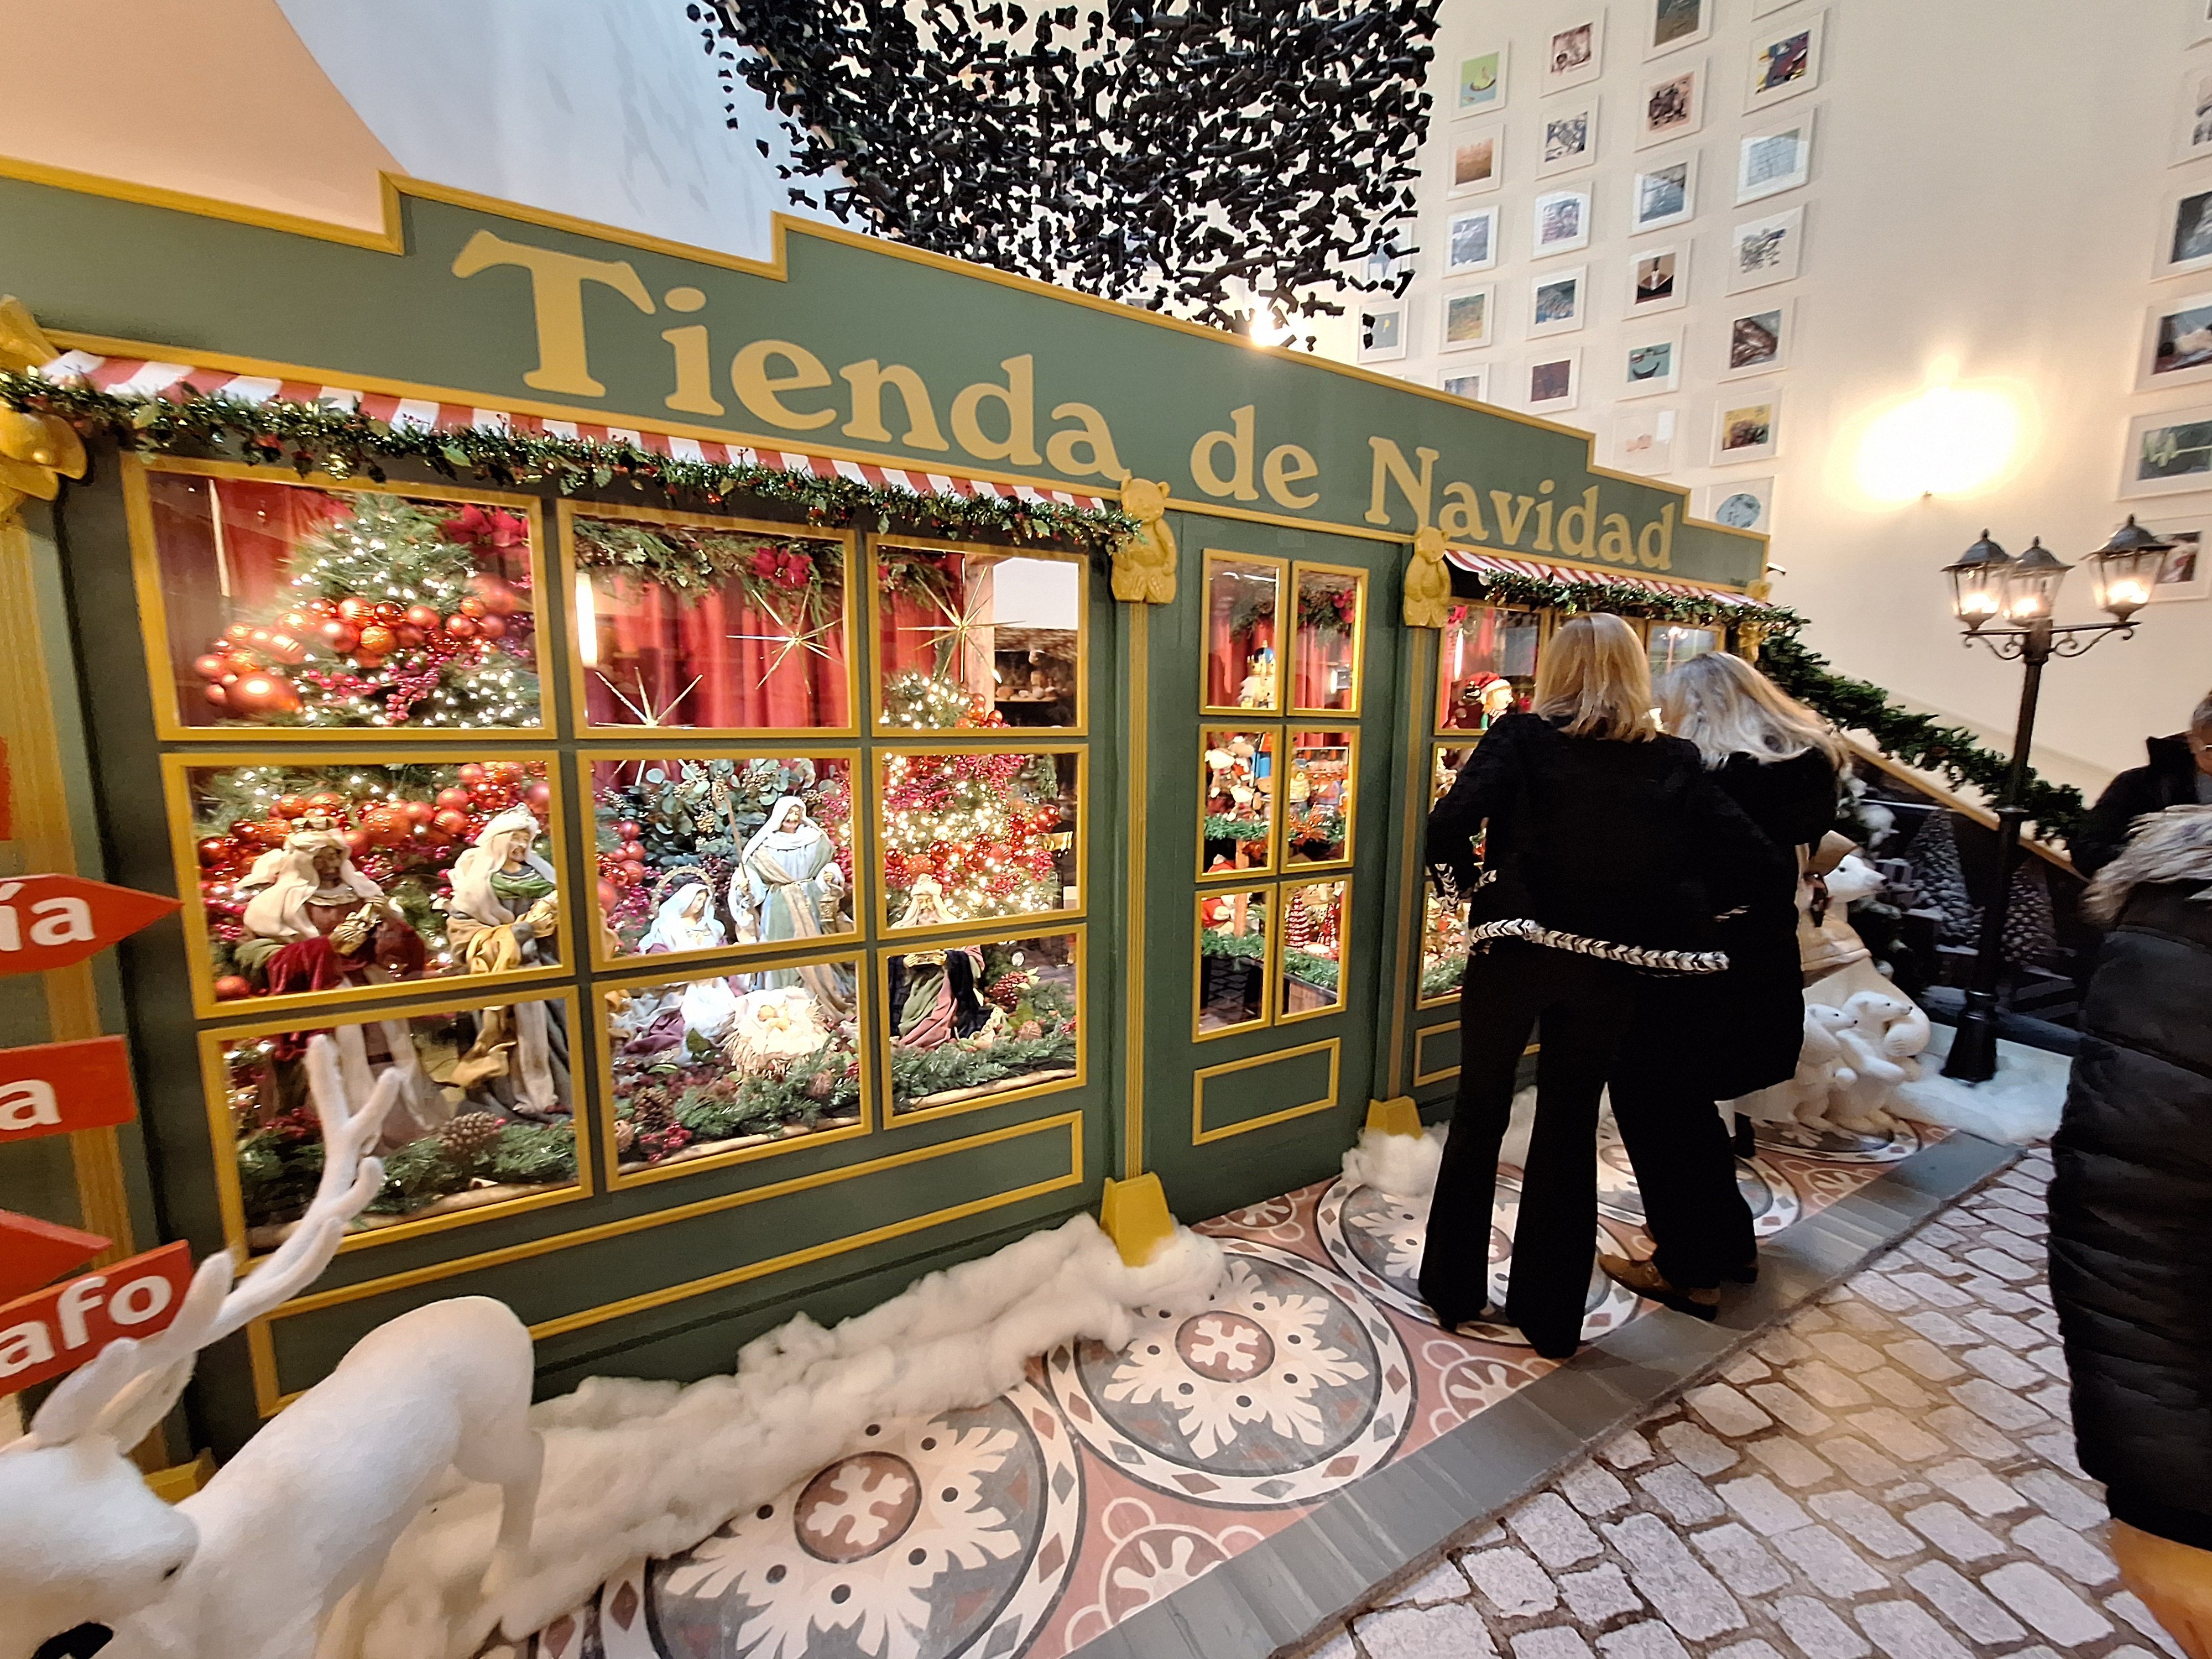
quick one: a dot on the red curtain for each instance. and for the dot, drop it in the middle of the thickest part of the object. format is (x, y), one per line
(733, 655)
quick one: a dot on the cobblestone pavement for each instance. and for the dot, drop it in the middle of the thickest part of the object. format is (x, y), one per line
(1891, 1472)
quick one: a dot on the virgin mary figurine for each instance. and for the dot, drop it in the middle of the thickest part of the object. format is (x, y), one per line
(686, 921)
(933, 993)
(788, 878)
(503, 915)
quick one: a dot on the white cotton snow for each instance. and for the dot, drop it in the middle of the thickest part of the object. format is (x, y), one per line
(636, 1469)
(2019, 1105)
(1404, 1166)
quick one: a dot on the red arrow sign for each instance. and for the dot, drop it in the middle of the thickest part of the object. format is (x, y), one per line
(50, 921)
(58, 1330)
(32, 1252)
(58, 1088)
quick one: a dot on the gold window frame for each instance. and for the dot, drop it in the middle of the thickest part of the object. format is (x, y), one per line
(169, 725)
(569, 511)
(1285, 603)
(1286, 674)
(1290, 870)
(1271, 891)
(1547, 623)
(1272, 731)
(1341, 877)
(880, 753)
(886, 1038)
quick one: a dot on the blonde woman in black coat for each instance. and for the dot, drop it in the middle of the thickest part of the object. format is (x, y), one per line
(1607, 856)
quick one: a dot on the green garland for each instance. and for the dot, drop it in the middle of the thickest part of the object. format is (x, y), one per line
(1223, 826)
(1319, 972)
(917, 1072)
(346, 443)
(1950, 751)
(1236, 947)
(1568, 594)
(690, 564)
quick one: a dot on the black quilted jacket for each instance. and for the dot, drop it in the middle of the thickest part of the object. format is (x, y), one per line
(2131, 1217)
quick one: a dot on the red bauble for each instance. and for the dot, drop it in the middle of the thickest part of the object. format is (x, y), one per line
(418, 811)
(540, 796)
(610, 895)
(633, 850)
(270, 832)
(460, 627)
(320, 607)
(231, 987)
(214, 852)
(377, 640)
(290, 806)
(339, 636)
(211, 667)
(470, 772)
(356, 842)
(356, 610)
(452, 821)
(504, 771)
(408, 635)
(499, 600)
(421, 616)
(453, 800)
(634, 870)
(471, 606)
(295, 622)
(327, 801)
(238, 632)
(264, 694)
(390, 614)
(491, 627)
(386, 826)
(629, 829)
(285, 649)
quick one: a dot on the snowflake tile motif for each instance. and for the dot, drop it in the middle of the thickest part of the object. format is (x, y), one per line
(1376, 1239)
(1774, 1202)
(1288, 1386)
(949, 1528)
(1892, 1145)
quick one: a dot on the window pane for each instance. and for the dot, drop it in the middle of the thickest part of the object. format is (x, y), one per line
(968, 836)
(1241, 601)
(700, 854)
(728, 1060)
(1443, 948)
(289, 606)
(1488, 667)
(1232, 960)
(1318, 829)
(973, 639)
(1330, 623)
(1674, 644)
(970, 1021)
(483, 1116)
(1237, 774)
(681, 625)
(1313, 947)
(314, 877)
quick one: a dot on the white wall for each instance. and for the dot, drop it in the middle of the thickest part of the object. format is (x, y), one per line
(1987, 185)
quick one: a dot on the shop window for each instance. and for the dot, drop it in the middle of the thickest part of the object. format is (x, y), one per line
(484, 1116)
(689, 621)
(1318, 797)
(1238, 799)
(1673, 644)
(703, 1068)
(1313, 953)
(972, 1022)
(1444, 949)
(325, 877)
(965, 836)
(712, 853)
(288, 607)
(1232, 960)
(1487, 668)
(1328, 642)
(975, 637)
(1242, 596)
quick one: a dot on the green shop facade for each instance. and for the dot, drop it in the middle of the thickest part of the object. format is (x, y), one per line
(807, 768)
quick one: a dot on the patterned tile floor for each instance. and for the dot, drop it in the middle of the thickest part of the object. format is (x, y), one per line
(1889, 1472)
(1030, 1526)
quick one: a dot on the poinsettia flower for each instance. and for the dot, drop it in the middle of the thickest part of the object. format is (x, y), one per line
(765, 563)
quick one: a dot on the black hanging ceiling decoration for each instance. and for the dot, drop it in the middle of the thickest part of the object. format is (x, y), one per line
(1223, 159)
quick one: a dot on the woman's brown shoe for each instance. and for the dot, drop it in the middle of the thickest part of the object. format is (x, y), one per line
(1647, 1280)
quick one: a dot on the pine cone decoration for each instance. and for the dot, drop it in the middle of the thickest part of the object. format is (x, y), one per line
(652, 1110)
(1008, 990)
(820, 1086)
(1029, 1030)
(467, 1138)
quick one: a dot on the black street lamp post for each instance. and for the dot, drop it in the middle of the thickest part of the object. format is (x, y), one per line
(1989, 585)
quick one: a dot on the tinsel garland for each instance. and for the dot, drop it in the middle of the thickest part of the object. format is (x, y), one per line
(1562, 594)
(1950, 751)
(345, 443)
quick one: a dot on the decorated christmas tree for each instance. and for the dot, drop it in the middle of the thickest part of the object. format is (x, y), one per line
(395, 615)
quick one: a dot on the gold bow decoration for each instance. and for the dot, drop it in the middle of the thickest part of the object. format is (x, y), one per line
(1145, 562)
(1428, 583)
(36, 451)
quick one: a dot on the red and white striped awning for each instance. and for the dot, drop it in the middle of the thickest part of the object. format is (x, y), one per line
(130, 377)
(1480, 564)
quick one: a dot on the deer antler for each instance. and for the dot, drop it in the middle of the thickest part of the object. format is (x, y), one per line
(133, 1384)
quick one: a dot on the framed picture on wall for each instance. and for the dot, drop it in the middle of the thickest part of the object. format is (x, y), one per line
(1382, 331)
(2193, 126)
(2184, 573)
(1574, 54)
(2186, 234)
(1643, 439)
(1761, 8)
(1470, 318)
(1671, 106)
(1758, 339)
(1478, 161)
(1471, 241)
(1481, 83)
(1765, 252)
(1659, 280)
(1772, 158)
(1569, 139)
(1651, 363)
(1555, 381)
(1747, 427)
(2168, 454)
(2177, 342)
(1561, 223)
(2200, 21)
(1785, 60)
(1471, 382)
(1741, 504)
(1674, 24)
(1665, 193)
(1557, 302)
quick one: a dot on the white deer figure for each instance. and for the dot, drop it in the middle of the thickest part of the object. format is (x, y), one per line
(254, 1565)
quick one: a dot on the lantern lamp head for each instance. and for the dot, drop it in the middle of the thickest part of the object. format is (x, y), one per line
(1978, 583)
(2031, 583)
(2124, 570)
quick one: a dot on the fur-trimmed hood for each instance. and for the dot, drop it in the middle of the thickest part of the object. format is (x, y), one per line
(2172, 846)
